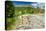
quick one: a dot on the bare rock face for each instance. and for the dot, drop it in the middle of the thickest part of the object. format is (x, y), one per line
(31, 22)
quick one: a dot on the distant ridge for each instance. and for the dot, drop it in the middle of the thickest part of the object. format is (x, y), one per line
(23, 5)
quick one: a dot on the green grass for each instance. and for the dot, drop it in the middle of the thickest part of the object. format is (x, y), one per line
(10, 22)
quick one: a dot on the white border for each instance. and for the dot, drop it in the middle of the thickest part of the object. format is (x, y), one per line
(2, 15)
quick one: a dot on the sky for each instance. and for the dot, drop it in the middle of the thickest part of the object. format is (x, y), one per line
(34, 4)
(21, 3)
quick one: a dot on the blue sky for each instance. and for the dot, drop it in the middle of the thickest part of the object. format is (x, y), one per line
(21, 3)
(34, 4)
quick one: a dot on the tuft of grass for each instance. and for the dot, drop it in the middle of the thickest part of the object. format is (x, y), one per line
(10, 22)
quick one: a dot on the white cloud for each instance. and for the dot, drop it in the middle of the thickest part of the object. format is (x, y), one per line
(34, 5)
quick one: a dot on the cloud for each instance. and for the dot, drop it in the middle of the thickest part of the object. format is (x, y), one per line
(40, 5)
(34, 5)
